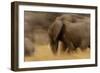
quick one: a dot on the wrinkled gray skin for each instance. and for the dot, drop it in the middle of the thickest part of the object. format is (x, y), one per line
(35, 21)
(73, 30)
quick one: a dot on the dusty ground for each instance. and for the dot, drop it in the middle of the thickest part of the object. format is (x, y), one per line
(43, 52)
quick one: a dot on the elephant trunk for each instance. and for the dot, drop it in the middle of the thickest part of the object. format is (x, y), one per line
(54, 46)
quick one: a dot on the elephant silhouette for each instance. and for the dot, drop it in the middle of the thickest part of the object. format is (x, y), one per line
(72, 30)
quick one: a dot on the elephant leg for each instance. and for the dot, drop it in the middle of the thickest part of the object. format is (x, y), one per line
(63, 47)
(54, 50)
(28, 52)
(89, 46)
(84, 45)
(71, 47)
(54, 47)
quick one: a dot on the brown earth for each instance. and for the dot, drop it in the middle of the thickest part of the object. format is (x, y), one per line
(43, 52)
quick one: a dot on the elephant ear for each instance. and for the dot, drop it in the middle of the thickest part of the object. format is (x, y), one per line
(55, 29)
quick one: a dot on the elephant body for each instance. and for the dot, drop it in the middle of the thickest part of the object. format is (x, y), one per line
(73, 30)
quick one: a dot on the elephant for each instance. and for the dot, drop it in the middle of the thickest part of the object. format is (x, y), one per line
(72, 30)
(29, 47)
(34, 22)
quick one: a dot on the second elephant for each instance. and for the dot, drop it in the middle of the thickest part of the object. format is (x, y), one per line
(73, 30)
(36, 25)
